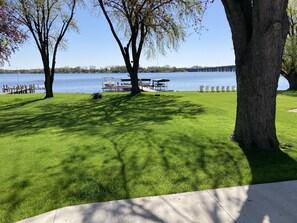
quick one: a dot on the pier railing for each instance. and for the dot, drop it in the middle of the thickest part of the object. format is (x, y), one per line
(21, 89)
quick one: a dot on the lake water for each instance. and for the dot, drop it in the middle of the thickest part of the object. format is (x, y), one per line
(89, 83)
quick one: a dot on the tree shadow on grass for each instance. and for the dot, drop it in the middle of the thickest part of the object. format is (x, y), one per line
(13, 200)
(87, 116)
(202, 163)
(82, 181)
(116, 119)
(126, 174)
(121, 169)
(18, 103)
(225, 165)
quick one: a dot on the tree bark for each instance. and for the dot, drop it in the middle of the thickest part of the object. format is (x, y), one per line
(134, 82)
(49, 80)
(256, 102)
(292, 79)
(132, 70)
(48, 83)
(135, 86)
(259, 30)
(134, 75)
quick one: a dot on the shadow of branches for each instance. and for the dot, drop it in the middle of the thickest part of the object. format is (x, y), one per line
(115, 169)
(88, 116)
(129, 156)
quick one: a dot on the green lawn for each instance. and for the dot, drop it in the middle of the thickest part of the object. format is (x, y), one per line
(72, 150)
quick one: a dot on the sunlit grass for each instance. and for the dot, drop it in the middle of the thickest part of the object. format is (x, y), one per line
(72, 150)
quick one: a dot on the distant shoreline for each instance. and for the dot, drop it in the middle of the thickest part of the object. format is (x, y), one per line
(121, 69)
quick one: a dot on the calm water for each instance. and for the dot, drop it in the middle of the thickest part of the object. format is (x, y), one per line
(89, 83)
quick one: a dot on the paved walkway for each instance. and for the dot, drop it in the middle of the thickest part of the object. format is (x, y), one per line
(276, 202)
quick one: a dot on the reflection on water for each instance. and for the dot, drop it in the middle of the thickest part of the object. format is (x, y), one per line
(88, 83)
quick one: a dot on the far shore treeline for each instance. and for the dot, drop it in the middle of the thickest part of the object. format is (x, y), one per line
(122, 69)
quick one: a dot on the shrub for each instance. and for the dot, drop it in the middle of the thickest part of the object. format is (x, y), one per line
(96, 95)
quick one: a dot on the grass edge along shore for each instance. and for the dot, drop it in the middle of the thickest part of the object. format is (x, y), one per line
(72, 150)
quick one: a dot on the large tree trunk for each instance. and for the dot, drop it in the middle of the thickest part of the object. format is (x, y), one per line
(133, 71)
(48, 75)
(134, 82)
(48, 83)
(292, 79)
(259, 30)
(256, 99)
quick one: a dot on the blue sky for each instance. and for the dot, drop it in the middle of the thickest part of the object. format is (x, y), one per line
(94, 45)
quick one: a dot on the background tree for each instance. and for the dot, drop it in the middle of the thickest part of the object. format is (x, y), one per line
(11, 34)
(289, 66)
(150, 25)
(47, 21)
(259, 30)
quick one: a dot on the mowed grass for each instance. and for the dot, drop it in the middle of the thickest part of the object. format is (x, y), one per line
(72, 150)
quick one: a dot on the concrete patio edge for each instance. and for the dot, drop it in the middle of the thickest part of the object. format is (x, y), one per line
(273, 202)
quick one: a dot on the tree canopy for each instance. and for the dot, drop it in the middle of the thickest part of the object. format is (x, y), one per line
(152, 26)
(47, 21)
(11, 34)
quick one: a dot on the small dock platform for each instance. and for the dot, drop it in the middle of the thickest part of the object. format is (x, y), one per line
(145, 85)
(21, 89)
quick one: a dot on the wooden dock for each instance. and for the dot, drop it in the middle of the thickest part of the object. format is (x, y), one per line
(145, 85)
(21, 89)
